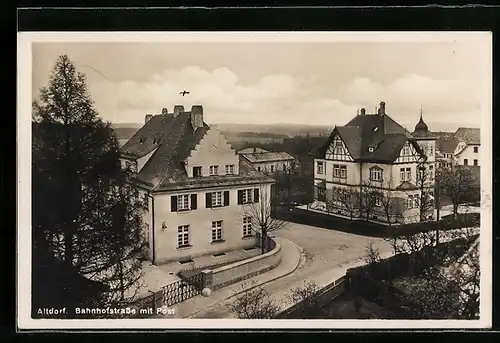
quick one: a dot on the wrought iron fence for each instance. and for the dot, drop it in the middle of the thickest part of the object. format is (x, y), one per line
(182, 290)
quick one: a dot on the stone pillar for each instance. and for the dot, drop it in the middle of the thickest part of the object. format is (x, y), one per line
(207, 278)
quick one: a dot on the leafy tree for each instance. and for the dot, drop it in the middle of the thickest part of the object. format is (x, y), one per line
(76, 165)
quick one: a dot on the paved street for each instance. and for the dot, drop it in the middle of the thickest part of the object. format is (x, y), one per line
(329, 254)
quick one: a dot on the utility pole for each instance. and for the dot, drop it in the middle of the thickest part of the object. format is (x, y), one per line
(438, 205)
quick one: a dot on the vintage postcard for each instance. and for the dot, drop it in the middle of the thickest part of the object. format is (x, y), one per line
(254, 180)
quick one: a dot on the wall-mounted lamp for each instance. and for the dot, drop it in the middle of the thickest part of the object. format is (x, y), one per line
(163, 226)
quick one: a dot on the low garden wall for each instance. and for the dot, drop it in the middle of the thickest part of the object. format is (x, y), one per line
(229, 274)
(322, 297)
(366, 228)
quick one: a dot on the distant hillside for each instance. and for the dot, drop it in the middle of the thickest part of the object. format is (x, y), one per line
(125, 132)
(289, 130)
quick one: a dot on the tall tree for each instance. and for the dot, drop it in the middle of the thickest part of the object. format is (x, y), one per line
(76, 166)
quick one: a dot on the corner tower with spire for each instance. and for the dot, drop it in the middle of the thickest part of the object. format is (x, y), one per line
(427, 142)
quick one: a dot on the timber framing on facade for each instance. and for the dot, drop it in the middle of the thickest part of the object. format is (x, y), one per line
(372, 157)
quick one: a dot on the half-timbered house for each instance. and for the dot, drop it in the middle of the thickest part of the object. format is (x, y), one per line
(370, 169)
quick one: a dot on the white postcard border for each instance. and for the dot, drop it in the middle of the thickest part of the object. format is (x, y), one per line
(24, 98)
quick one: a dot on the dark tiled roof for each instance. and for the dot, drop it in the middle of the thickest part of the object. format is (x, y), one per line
(447, 146)
(175, 139)
(381, 132)
(248, 175)
(469, 135)
(148, 137)
(442, 134)
(268, 157)
(252, 150)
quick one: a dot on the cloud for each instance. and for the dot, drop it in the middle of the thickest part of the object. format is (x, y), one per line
(280, 97)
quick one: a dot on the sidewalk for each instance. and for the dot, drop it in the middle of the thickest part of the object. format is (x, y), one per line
(291, 257)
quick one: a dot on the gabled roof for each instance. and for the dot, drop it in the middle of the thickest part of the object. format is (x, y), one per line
(175, 139)
(468, 135)
(268, 157)
(381, 132)
(406, 185)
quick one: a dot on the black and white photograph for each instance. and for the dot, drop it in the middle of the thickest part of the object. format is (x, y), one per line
(264, 180)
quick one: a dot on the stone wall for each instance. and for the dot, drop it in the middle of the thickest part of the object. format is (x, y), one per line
(226, 275)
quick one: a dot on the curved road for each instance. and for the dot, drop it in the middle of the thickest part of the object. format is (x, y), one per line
(328, 254)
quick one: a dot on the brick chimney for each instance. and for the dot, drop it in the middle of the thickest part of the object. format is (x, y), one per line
(381, 110)
(164, 111)
(362, 111)
(196, 116)
(147, 118)
(178, 109)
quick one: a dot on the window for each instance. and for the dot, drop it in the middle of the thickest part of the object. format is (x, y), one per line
(466, 162)
(247, 226)
(213, 170)
(475, 162)
(319, 168)
(343, 172)
(476, 149)
(258, 168)
(431, 172)
(284, 166)
(216, 199)
(431, 150)
(378, 200)
(230, 169)
(402, 174)
(247, 196)
(197, 172)
(336, 170)
(339, 149)
(409, 202)
(415, 201)
(183, 202)
(183, 236)
(408, 174)
(376, 174)
(272, 169)
(217, 231)
(406, 151)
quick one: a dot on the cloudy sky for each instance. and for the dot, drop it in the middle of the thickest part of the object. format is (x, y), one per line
(293, 82)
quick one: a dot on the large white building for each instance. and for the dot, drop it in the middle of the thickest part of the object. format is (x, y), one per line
(195, 185)
(376, 159)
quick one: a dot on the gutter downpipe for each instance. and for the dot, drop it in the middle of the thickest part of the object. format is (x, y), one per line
(153, 243)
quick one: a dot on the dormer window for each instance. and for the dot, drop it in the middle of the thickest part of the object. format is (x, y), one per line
(197, 172)
(213, 170)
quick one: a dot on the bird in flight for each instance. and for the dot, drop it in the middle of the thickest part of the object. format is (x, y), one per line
(184, 92)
